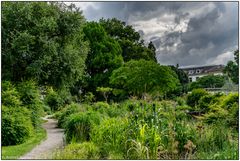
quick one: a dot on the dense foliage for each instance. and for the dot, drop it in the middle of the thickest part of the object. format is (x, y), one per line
(30, 98)
(42, 41)
(16, 125)
(156, 130)
(141, 77)
(42, 44)
(129, 39)
(210, 81)
(194, 97)
(232, 68)
(103, 58)
(182, 87)
(105, 88)
(79, 126)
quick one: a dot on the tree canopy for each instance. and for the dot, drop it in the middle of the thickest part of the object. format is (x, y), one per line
(43, 41)
(183, 79)
(232, 68)
(139, 77)
(129, 40)
(103, 58)
(210, 81)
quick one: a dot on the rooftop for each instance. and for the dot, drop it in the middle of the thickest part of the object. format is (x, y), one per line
(207, 69)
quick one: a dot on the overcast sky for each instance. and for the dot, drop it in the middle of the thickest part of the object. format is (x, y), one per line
(187, 33)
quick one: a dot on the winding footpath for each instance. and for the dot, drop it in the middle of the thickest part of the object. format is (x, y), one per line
(54, 140)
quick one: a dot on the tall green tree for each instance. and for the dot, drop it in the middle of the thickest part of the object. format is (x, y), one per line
(103, 58)
(129, 39)
(141, 77)
(183, 79)
(43, 41)
(232, 68)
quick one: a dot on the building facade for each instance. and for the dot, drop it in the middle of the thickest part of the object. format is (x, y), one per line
(194, 73)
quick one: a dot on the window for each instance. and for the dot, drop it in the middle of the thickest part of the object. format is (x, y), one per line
(197, 78)
(198, 71)
(190, 79)
(190, 71)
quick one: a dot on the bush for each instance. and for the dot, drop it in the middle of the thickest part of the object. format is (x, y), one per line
(194, 97)
(110, 136)
(10, 96)
(101, 105)
(115, 110)
(65, 96)
(215, 114)
(89, 97)
(67, 111)
(233, 118)
(85, 150)
(16, 125)
(210, 81)
(53, 100)
(180, 101)
(184, 132)
(47, 109)
(30, 97)
(79, 125)
(229, 100)
(206, 101)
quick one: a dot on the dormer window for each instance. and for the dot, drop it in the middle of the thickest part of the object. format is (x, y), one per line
(191, 72)
(198, 71)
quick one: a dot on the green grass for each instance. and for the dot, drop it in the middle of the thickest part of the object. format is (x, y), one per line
(16, 151)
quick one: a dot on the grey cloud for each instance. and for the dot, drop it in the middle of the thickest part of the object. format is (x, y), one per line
(211, 27)
(180, 16)
(141, 32)
(204, 36)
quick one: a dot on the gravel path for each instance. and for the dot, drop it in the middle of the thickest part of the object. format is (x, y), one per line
(54, 140)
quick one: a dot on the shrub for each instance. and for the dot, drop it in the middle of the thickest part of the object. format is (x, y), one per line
(79, 125)
(184, 132)
(67, 111)
(101, 105)
(229, 100)
(115, 110)
(85, 150)
(194, 97)
(16, 125)
(47, 109)
(210, 81)
(180, 101)
(30, 97)
(53, 100)
(65, 96)
(110, 136)
(215, 114)
(206, 101)
(89, 97)
(10, 96)
(233, 118)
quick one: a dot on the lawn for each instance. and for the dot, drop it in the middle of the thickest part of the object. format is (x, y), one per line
(16, 151)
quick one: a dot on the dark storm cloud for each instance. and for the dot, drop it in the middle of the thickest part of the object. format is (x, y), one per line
(187, 33)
